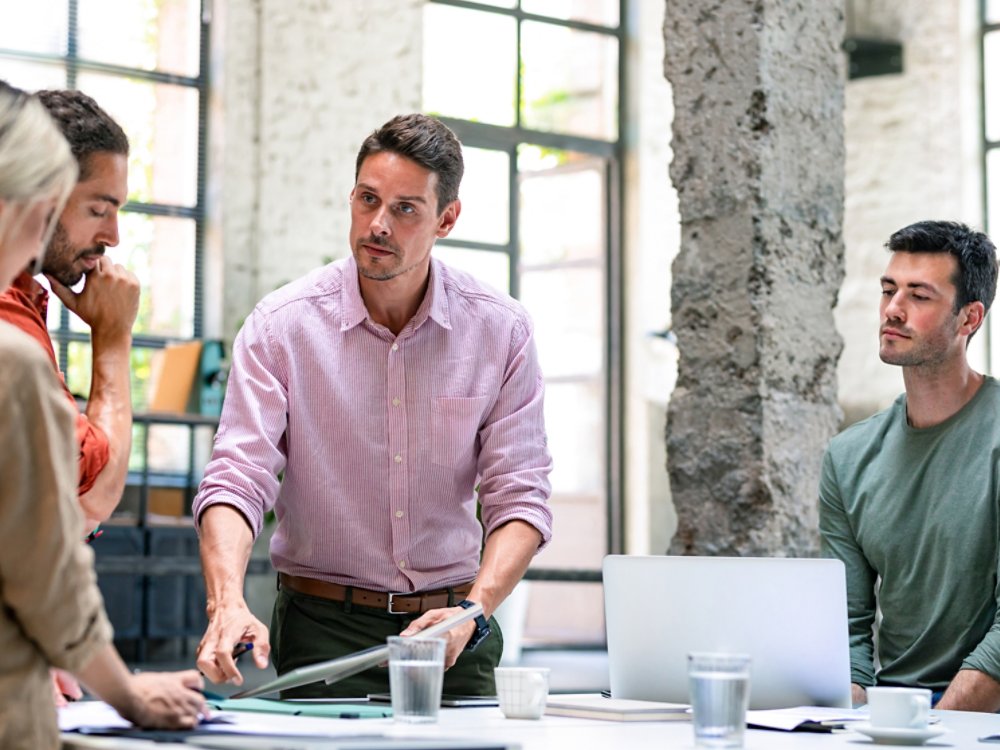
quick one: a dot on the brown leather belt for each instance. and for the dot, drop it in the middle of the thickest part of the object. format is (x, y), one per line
(393, 603)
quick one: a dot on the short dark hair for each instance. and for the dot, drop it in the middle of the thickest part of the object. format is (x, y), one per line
(976, 278)
(87, 127)
(425, 140)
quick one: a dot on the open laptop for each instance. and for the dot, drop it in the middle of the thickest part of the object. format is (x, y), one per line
(789, 614)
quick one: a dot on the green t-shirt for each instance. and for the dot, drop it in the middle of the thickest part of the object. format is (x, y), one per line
(919, 509)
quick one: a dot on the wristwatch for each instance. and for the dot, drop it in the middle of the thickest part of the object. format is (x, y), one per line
(482, 627)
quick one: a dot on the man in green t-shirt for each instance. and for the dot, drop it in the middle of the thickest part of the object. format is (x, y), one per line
(910, 498)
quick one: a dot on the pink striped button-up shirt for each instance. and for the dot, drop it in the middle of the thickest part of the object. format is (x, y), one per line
(382, 438)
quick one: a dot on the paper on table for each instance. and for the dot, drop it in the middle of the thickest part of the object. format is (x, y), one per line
(89, 714)
(789, 719)
(99, 715)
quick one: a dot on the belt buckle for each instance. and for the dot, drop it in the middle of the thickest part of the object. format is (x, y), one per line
(393, 595)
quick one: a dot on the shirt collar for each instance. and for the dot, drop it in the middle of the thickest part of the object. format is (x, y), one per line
(433, 306)
(354, 310)
(436, 295)
(34, 293)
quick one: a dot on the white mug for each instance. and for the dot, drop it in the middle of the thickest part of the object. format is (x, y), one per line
(898, 707)
(521, 691)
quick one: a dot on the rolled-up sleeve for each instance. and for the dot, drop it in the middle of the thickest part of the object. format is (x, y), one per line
(514, 459)
(838, 541)
(985, 657)
(249, 453)
(93, 451)
(49, 586)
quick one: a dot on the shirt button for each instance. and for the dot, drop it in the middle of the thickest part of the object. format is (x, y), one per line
(397, 458)
(395, 402)
(402, 563)
(399, 514)
(395, 347)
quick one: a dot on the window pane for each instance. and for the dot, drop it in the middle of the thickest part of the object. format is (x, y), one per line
(470, 64)
(161, 121)
(40, 26)
(160, 252)
(579, 99)
(993, 194)
(140, 367)
(149, 34)
(603, 12)
(567, 305)
(564, 613)
(991, 84)
(993, 225)
(485, 213)
(562, 206)
(574, 421)
(492, 268)
(32, 76)
(79, 367)
(992, 11)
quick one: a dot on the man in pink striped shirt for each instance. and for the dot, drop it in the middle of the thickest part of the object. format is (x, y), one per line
(371, 404)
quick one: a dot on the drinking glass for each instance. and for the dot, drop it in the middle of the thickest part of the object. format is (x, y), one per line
(416, 673)
(719, 686)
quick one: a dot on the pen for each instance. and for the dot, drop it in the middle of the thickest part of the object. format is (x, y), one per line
(241, 648)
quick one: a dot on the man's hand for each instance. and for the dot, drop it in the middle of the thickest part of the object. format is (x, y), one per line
(65, 687)
(165, 700)
(858, 695)
(108, 302)
(455, 639)
(227, 626)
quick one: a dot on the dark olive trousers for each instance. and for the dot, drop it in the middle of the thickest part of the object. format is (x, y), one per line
(307, 629)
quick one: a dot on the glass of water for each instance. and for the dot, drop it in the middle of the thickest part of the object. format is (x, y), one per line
(719, 685)
(416, 673)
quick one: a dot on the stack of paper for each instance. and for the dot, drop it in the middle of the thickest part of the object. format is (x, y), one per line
(805, 718)
(596, 706)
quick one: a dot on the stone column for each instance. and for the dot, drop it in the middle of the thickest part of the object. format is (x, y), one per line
(759, 167)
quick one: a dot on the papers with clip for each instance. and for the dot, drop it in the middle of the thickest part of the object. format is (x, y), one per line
(338, 669)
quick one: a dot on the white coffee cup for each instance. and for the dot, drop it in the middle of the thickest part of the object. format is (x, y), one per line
(521, 691)
(899, 707)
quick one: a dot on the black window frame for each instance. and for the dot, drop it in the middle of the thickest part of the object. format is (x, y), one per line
(508, 139)
(62, 335)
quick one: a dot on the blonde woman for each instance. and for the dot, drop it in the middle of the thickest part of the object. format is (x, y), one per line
(51, 613)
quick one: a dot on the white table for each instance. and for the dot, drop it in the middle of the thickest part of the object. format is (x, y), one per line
(560, 733)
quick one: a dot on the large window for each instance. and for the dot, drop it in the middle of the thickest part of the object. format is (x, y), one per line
(991, 145)
(144, 61)
(532, 88)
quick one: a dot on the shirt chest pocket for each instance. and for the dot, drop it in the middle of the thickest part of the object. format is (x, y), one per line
(454, 424)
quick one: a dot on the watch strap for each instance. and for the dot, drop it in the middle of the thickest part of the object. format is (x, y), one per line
(482, 631)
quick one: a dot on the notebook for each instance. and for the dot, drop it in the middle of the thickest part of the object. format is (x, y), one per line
(789, 614)
(596, 706)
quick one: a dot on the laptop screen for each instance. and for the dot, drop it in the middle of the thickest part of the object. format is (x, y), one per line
(789, 614)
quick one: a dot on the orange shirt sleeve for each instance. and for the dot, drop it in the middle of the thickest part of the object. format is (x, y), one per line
(94, 450)
(17, 308)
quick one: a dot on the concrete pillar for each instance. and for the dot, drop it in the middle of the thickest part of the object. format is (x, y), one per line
(759, 167)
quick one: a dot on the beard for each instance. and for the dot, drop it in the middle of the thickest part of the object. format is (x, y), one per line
(387, 268)
(61, 258)
(928, 350)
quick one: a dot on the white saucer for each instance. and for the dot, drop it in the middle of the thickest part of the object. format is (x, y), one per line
(894, 736)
